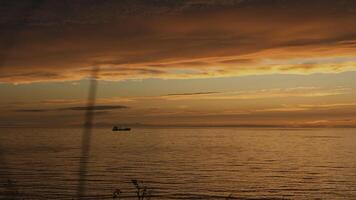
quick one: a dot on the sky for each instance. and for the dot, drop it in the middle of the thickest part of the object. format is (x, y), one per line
(274, 63)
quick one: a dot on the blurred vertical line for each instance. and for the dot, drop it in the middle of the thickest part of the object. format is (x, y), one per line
(86, 136)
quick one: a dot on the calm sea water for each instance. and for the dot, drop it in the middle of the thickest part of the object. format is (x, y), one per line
(198, 163)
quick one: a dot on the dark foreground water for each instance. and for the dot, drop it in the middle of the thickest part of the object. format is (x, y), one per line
(198, 163)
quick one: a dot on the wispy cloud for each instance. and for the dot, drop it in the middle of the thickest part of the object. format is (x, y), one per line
(308, 107)
(192, 94)
(185, 39)
(261, 94)
(76, 108)
(111, 103)
(99, 107)
(31, 110)
(327, 106)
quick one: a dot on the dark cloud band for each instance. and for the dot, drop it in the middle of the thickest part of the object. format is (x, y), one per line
(172, 39)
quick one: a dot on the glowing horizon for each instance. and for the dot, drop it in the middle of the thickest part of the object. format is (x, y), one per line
(277, 63)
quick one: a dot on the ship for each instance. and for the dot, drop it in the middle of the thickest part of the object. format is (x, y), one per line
(115, 128)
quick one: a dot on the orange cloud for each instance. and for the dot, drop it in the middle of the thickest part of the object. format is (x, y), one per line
(258, 94)
(186, 39)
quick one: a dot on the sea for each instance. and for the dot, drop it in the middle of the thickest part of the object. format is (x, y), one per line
(180, 163)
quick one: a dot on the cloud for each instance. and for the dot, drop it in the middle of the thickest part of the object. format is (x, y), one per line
(192, 94)
(307, 108)
(283, 112)
(259, 94)
(176, 39)
(31, 110)
(305, 92)
(100, 108)
(327, 106)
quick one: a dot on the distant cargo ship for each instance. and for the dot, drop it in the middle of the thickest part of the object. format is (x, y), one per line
(115, 128)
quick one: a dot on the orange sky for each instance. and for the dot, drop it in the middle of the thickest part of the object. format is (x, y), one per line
(229, 62)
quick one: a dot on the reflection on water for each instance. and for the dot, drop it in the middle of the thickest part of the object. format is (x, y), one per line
(199, 163)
